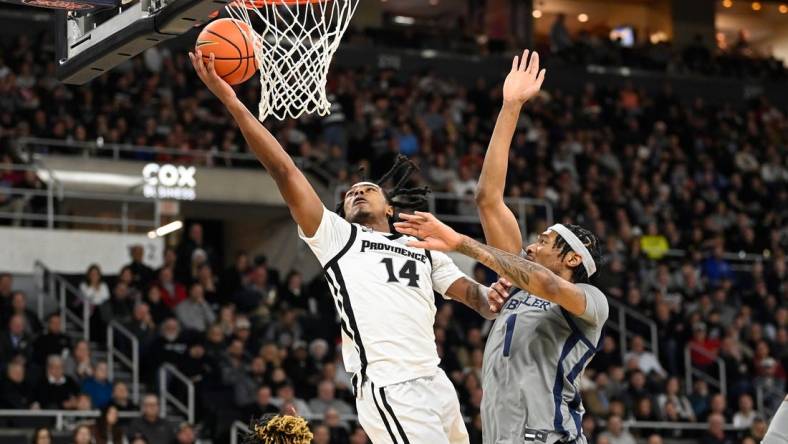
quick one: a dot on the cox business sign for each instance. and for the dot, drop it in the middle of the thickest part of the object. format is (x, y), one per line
(169, 181)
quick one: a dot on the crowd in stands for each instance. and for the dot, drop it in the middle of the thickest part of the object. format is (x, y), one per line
(669, 184)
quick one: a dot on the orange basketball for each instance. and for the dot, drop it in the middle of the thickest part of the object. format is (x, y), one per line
(230, 41)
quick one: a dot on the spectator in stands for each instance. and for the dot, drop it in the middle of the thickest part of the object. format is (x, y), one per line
(285, 331)
(120, 307)
(57, 391)
(247, 383)
(326, 399)
(42, 435)
(185, 434)
(206, 278)
(232, 279)
(19, 306)
(98, 386)
(53, 342)
(285, 396)
(770, 385)
(186, 249)
(14, 341)
(645, 360)
(746, 413)
(142, 275)
(758, 429)
(715, 434)
(560, 39)
(121, 398)
(302, 370)
(15, 389)
(6, 290)
(79, 364)
(257, 294)
(107, 430)
(616, 434)
(718, 405)
(142, 325)
(359, 436)
(171, 345)
(682, 406)
(82, 435)
(94, 290)
(337, 428)
(150, 425)
(703, 349)
(262, 404)
(172, 293)
(194, 313)
(158, 308)
(322, 435)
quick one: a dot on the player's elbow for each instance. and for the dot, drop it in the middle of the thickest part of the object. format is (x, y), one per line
(485, 197)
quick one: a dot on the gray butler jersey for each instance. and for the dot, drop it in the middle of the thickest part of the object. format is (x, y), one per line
(534, 356)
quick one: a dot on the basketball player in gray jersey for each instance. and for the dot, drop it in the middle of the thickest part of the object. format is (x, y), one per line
(549, 330)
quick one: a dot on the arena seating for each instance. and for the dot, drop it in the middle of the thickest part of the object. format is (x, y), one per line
(680, 190)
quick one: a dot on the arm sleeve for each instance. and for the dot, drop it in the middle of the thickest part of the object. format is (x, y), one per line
(596, 305)
(444, 273)
(330, 237)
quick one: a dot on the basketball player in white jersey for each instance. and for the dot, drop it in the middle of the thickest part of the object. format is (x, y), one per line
(383, 290)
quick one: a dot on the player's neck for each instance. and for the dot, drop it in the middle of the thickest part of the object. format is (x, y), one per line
(378, 226)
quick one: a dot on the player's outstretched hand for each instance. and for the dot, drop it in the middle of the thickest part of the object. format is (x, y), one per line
(207, 73)
(524, 80)
(433, 234)
(498, 294)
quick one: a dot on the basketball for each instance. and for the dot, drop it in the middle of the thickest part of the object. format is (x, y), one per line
(230, 41)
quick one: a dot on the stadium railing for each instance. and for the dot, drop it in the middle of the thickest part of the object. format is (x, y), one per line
(55, 195)
(57, 288)
(692, 372)
(61, 416)
(34, 147)
(132, 363)
(623, 313)
(168, 372)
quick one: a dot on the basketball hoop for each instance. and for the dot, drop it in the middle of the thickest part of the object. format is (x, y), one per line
(294, 42)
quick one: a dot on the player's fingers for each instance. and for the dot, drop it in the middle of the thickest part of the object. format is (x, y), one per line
(533, 65)
(416, 217)
(505, 282)
(418, 244)
(540, 78)
(406, 225)
(211, 64)
(425, 216)
(515, 63)
(524, 61)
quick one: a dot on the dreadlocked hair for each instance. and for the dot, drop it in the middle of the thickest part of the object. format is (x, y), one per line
(579, 273)
(276, 429)
(399, 197)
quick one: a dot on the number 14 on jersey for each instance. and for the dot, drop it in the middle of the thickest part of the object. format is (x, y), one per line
(407, 273)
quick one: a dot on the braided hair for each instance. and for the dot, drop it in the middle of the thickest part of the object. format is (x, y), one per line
(579, 273)
(276, 429)
(399, 197)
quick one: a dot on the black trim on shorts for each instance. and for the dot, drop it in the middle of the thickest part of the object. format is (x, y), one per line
(391, 412)
(382, 415)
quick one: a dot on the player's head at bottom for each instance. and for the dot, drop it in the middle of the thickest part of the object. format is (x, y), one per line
(554, 250)
(279, 429)
(369, 203)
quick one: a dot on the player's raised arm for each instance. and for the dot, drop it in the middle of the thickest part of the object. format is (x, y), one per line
(524, 274)
(301, 198)
(498, 222)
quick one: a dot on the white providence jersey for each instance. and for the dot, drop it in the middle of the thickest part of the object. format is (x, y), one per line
(384, 294)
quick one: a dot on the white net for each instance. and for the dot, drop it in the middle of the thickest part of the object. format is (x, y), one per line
(294, 43)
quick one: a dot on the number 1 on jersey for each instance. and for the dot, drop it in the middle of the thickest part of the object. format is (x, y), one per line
(408, 271)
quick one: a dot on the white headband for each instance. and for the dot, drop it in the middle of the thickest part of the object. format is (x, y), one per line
(577, 247)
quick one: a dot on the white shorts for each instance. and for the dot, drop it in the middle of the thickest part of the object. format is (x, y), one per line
(420, 411)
